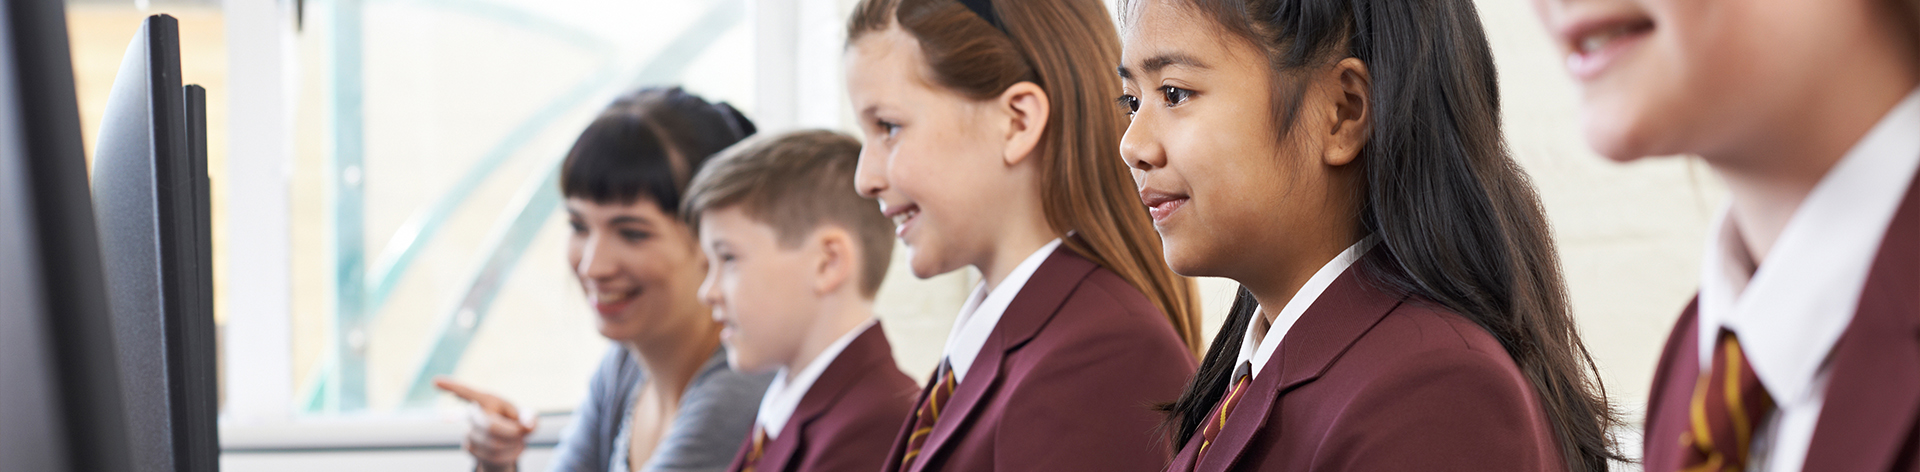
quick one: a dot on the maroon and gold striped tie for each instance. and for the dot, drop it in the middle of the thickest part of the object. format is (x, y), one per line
(1728, 404)
(759, 448)
(1242, 377)
(929, 412)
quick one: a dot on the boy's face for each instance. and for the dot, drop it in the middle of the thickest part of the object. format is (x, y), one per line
(763, 294)
(1662, 77)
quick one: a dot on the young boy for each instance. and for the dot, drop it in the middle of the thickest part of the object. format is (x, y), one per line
(796, 257)
(1800, 352)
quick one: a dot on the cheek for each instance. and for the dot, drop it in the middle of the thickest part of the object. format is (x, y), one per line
(1692, 82)
(576, 247)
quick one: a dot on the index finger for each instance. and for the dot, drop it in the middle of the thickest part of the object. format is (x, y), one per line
(458, 389)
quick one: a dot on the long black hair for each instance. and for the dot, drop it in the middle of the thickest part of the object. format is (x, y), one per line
(1459, 222)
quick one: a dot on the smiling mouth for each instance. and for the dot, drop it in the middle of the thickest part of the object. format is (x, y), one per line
(611, 303)
(902, 215)
(1161, 205)
(1595, 46)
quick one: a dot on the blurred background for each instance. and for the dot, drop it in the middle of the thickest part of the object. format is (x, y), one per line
(384, 207)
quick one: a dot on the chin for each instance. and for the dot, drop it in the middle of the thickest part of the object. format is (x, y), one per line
(1618, 132)
(741, 361)
(924, 264)
(614, 333)
(1183, 261)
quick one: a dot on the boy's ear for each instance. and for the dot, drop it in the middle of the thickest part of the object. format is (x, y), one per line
(835, 266)
(1027, 109)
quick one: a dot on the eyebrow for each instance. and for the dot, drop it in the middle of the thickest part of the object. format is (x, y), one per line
(1163, 61)
(624, 219)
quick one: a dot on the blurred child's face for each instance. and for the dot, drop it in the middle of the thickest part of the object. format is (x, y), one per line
(763, 294)
(931, 158)
(1662, 77)
(1206, 151)
(638, 266)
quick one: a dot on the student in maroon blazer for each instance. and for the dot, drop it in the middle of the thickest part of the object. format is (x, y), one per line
(1401, 306)
(1800, 351)
(1065, 381)
(991, 140)
(1871, 417)
(846, 420)
(1828, 327)
(794, 262)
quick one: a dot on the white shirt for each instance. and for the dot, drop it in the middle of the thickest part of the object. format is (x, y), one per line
(983, 309)
(1789, 313)
(1253, 347)
(783, 396)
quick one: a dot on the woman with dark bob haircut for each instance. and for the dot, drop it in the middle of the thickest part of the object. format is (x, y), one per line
(662, 398)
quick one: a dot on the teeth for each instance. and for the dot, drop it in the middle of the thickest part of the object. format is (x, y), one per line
(611, 297)
(1593, 42)
(902, 218)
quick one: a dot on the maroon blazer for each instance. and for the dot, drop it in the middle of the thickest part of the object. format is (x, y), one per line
(1067, 381)
(845, 420)
(1371, 379)
(1868, 420)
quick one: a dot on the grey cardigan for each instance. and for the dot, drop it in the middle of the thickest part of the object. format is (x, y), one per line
(715, 416)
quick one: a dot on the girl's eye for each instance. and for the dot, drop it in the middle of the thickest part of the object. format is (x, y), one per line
(1129, 103)
(888, 127)
(578, 227)
(1176, 95)
(634, 236)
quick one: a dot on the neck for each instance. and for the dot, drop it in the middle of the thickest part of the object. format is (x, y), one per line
(1014, 244)
(1274, 288)
(673, 359)
(839, 316)
(1770, 170)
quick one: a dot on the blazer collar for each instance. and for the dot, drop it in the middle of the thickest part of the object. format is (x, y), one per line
(1350, 307)
(869, 350)
(1873, 394)
(1030, 310)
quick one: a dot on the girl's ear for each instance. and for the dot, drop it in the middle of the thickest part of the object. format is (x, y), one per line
(1027, 110)
(1351, 93)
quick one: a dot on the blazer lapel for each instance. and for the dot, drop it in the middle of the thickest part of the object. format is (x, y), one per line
(1345, 311)
(1873, 392)
(1668, 402)
(1036, 303)
(780, 451)
(862, 354)
(898, 453)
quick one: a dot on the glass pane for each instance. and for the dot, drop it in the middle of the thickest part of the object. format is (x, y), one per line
(427, 205)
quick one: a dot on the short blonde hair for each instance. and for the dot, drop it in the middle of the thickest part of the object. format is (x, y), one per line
(796, 182)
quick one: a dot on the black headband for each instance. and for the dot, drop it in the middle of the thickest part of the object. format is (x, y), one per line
(984, 8)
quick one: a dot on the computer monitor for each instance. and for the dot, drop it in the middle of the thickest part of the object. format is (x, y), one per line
(150, 195)
(60, 396)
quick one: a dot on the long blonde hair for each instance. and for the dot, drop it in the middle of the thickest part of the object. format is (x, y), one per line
(1068, 48)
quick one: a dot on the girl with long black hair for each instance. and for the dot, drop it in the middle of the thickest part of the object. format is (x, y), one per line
(1401, 306)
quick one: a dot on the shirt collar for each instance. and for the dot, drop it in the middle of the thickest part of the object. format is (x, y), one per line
(783, 397)
(983, 309)
(1790, 312)
(1259, 349)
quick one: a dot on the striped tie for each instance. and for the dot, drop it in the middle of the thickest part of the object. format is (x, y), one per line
(1242, 377)
(1727, 405)
(929, 412)
(759, 448)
